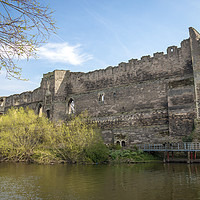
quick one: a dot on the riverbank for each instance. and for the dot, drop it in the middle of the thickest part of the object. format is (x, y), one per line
(105, 156)
(131, 156)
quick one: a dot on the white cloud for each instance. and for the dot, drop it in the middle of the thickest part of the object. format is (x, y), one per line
(63, 53)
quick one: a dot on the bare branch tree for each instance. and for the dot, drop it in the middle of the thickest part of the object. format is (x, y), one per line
(24, 25)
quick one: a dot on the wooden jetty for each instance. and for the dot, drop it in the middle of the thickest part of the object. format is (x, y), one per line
(170, 148)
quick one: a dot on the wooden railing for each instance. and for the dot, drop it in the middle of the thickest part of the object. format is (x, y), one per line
(192, 146)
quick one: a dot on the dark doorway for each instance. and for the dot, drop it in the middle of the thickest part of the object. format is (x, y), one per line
(48, 114)
(123, 144)
(40, 110)
(118, 143)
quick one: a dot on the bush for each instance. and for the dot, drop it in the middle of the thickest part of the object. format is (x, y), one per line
(97, 152)
(72, 139)
(115, 147)
(127, 155)
(187, 138)
(21, 132)
(26, 137)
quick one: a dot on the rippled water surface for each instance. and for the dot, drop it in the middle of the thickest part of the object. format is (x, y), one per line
(137, 182)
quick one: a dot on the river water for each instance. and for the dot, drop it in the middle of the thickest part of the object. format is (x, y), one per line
(112, 182)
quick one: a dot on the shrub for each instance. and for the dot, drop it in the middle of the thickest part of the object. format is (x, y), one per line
(21, 132)
(26, 137)
(72, 139)
(97, 152)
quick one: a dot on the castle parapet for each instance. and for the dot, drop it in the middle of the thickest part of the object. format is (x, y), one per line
(159, 65)
(146, 58)
(172, 51)
(158, 55)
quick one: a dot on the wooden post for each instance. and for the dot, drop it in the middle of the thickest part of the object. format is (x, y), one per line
(195, 155)
(191, 155)
(168, 156)
(172, 155)
(188, 161)
(164, 160)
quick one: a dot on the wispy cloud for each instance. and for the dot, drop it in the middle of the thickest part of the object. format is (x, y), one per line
(63, 53)
(109, 26)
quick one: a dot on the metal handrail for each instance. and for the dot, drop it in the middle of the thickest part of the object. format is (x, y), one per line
(186, 146)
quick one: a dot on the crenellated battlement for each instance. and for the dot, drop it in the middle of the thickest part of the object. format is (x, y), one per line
(159, 63)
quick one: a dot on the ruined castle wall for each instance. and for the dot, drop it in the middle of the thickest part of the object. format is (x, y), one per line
(26, 99)
(195, 54)
(177, 62)
(126, 110)
(141, 112)
(143, 99)
(60, 101)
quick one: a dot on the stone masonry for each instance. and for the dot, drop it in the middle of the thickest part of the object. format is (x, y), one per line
(151, 100)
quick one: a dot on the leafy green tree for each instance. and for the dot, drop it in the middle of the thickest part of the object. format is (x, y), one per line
(21, 133)
(24, 136)
(24, 25)
(74, 138)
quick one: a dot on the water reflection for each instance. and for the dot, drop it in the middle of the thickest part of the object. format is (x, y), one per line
(138, 182)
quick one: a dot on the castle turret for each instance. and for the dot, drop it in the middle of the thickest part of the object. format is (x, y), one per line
(195, 53)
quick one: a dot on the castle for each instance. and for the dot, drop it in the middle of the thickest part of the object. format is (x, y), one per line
(151, 100)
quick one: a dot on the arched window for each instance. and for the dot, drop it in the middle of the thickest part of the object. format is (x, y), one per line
(1, 102)
(71, 106)
(101, 97)
(118, 143)
(123, 144)
(40, 110)
(48, 114)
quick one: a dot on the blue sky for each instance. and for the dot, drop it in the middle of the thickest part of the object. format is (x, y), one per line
(95, 34)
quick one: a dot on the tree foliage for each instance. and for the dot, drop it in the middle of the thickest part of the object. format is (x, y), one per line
(26, 137)
(24, 25)
(73, 140)
(21, 133)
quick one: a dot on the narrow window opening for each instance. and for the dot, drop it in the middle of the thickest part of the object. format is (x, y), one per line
(1, 102)
(48, 114)
(123, 144)
(40, 110)
(71, 106)
(101, 97)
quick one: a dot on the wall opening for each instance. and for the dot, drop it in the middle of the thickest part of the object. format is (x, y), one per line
(101, 98)
(118, 143)
(1, 102)
(123, 144)
(71, 106)
(48, 114)
(40, 110)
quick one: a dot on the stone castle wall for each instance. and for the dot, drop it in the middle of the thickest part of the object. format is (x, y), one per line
(153, 99)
